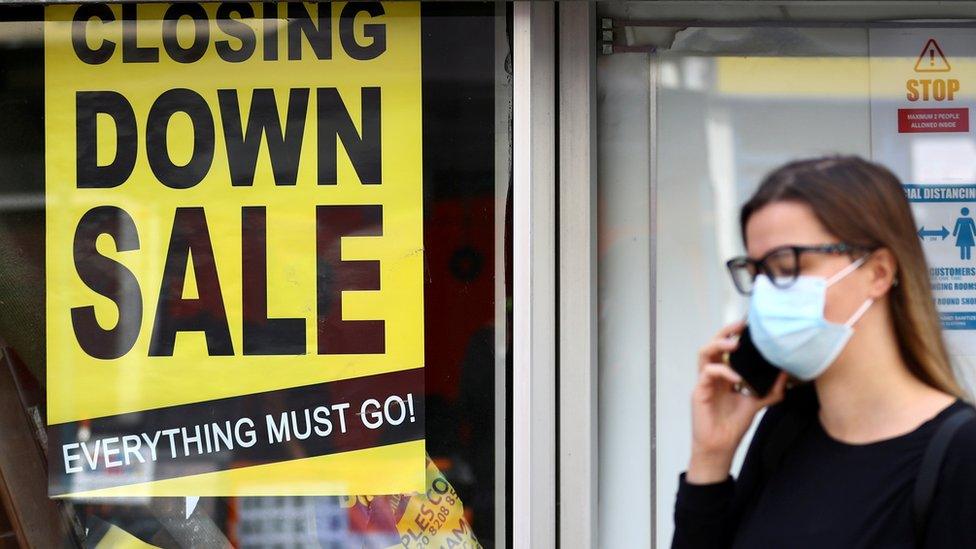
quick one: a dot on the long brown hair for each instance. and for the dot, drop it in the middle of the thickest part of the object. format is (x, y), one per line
(863, 204)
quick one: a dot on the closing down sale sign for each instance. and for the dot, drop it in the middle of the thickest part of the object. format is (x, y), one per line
(234, 249)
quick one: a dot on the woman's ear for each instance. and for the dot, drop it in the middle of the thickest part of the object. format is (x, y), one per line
(883, 272)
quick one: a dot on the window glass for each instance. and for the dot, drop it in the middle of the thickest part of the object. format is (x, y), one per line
(253, 273)
(725, 103)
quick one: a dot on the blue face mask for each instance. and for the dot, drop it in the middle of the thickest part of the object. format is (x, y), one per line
(789, 329)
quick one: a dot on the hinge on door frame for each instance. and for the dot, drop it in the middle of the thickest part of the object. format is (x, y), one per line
(608, 43)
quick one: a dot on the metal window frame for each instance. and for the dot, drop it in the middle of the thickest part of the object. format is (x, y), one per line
(577, 343)
(503, 164)
(533, 273)
(554, 268)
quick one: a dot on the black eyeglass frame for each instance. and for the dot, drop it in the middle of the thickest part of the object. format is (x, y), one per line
(760, 266)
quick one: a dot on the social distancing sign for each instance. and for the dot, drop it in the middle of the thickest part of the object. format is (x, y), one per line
(923, 99)
(234, 249)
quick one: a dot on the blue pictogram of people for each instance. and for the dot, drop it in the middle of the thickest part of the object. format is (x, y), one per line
(965, 233)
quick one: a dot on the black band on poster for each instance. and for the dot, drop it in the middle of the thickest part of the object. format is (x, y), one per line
(241, 431)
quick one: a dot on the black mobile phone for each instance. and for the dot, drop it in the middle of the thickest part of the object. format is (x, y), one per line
(757, 372)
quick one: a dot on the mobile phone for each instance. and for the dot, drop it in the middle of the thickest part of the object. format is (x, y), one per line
(757, 372)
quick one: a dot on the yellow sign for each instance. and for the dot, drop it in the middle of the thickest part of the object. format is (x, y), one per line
(234, 248)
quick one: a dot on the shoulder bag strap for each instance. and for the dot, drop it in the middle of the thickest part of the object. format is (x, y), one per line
(928, 473)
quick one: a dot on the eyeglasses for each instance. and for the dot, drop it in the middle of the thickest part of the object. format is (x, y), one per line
(781, 265)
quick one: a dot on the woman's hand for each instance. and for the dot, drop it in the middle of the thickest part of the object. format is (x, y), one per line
(720, 415)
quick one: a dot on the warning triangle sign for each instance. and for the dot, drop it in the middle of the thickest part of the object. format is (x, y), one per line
(932, 59)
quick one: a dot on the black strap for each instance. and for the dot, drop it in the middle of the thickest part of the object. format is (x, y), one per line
(928, 473)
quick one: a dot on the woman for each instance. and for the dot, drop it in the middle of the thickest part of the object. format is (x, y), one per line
(840, 296)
